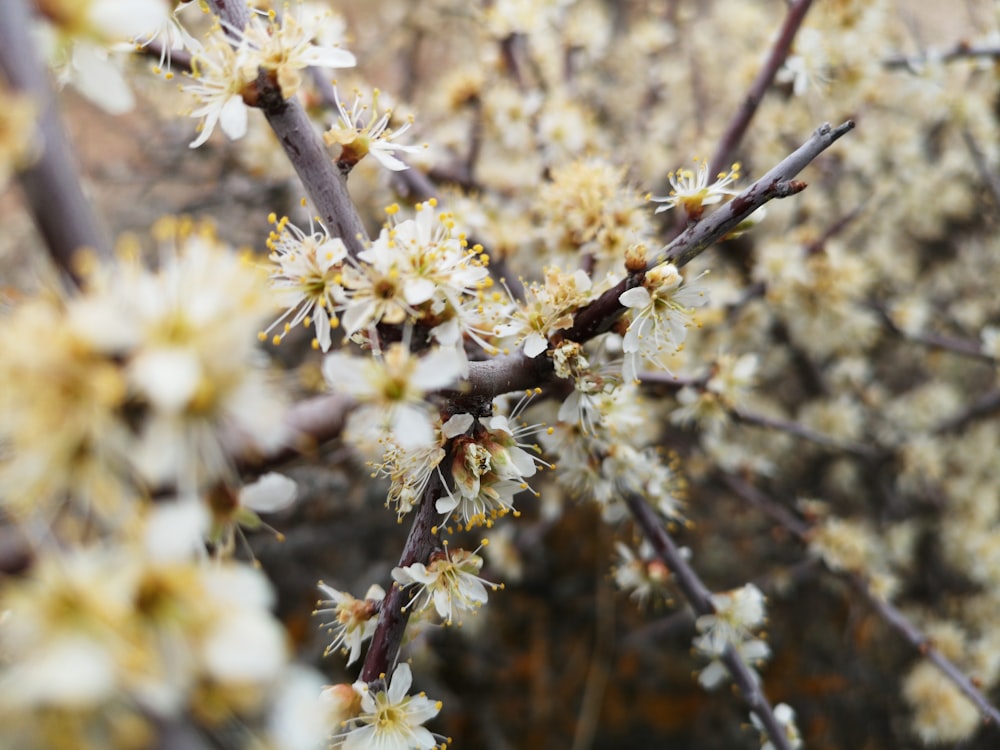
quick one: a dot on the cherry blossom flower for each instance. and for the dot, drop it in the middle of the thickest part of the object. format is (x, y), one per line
(693, 192)
(449, 581)
(390, 719)
(352, 621)
(307, 279)
(392, 388)
(358, 137)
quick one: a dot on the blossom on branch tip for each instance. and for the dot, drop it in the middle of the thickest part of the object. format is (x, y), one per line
(785, 716)
(422, 270)
(738, 613)
(548, 308)
(692, 191)
(285, 46)
(216, 83)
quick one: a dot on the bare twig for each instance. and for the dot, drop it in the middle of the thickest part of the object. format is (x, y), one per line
(731, 139)
(700, 599)
(961, 51)
(887, 610)
(964, 347)
(51, 184)
(326, 186)
(984, 406)
(800, 430)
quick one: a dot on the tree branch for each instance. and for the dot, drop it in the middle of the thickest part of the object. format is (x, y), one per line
(52, 183)
(886, 609)
(384, 648)
(700, 599)
(730, 141)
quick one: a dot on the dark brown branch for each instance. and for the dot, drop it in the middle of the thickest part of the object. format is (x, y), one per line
(801, 431)
(700, 599)
(779, 51)
(887, 610)
(392, 618)
(51, 184)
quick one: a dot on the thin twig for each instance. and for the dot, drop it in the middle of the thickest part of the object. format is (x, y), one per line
(913, 635)
(984, 406)
(700, 599)
(964, 347)
(601, 314)
(961, 51)
(731, 139)
(51, 184)
(800, 430)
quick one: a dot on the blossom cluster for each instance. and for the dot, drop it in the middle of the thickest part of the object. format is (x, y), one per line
(841, 355)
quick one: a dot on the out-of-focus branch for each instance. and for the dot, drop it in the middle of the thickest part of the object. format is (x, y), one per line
(392, 618)
(51, 184)
(310, 423)
(887, 610)
(964, 347)
(986, 174)
(801, 431)
(326, 186)
(961, 51)
(731, 139)
(984, 406)
(700, 599)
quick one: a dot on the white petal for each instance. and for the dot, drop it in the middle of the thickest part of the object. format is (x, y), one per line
(387, 160)
(457, 425)
(100, 80)
(636, 297)
(412, 428)
(347, 374)
(329, 57)
(167, 377)
(535, 344)
(233, 118)
(245, 647)
(402, 678)
(418, 291)
(436, 370)
(270, 493)
(176, 531)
